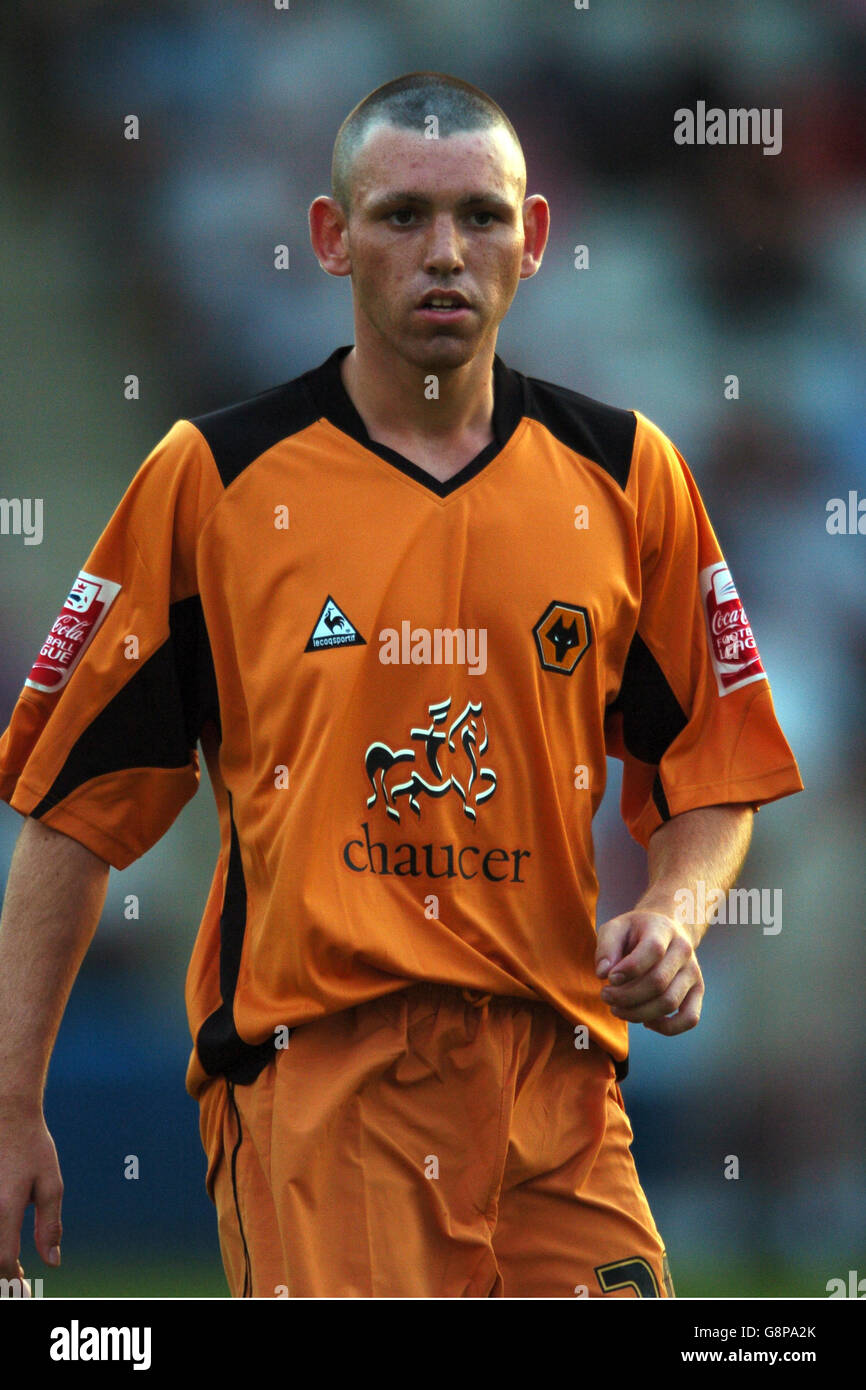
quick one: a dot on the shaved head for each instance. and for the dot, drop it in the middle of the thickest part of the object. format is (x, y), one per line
(408, 103)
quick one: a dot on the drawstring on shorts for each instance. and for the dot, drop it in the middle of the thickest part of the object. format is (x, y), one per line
(476, 998)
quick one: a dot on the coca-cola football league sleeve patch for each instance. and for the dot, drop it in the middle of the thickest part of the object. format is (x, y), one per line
(72, 631)
(693, 720)
(101, 744)
(734, 652)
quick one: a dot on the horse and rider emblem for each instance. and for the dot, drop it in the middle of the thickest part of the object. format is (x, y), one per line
(446, 758)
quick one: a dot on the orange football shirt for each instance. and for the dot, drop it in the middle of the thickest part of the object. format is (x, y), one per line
(404, 690)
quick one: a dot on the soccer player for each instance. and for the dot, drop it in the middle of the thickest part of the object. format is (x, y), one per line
(407, 604)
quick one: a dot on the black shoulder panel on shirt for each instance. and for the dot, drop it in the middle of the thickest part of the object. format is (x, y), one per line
(238, 434)
(651, 714)
(156, 719)
(599, 432)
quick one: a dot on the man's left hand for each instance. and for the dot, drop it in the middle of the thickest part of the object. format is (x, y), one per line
(652, 971)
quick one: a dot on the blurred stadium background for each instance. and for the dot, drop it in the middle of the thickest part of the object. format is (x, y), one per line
(155, 257)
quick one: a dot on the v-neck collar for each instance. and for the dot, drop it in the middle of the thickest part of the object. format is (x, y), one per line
(333, 401)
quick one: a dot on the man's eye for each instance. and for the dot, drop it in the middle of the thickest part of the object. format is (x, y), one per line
(488, 216)
(402, 216)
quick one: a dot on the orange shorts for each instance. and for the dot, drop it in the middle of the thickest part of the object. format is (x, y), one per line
(434, 1143)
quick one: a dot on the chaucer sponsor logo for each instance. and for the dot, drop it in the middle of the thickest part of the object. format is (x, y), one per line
(441, 759)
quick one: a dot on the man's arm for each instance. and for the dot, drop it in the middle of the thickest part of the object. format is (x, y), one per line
(54, 898)
(648, 954)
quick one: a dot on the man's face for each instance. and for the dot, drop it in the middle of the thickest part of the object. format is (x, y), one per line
(436, 215)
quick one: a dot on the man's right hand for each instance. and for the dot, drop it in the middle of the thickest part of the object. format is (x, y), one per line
(54, 895)
(29, 1172)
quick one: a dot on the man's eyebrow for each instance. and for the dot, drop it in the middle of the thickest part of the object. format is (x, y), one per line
(401, 197)
(492, 200)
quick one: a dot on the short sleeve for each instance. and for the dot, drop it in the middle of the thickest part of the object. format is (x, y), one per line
(101, 744)
(693, 721)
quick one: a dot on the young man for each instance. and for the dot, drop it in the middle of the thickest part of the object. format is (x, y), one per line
(407, 603)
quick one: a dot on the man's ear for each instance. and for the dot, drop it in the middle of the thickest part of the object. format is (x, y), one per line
(329, 236)
(536, 228)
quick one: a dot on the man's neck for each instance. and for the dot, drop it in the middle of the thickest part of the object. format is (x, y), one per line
(400, 407)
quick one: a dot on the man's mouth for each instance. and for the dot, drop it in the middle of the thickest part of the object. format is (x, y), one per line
(446, 304)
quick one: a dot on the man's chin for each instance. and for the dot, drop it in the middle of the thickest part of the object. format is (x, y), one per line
(442, 351)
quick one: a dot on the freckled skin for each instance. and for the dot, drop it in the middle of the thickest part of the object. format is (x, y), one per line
(430, 215)
(477, 250)
(396, 251)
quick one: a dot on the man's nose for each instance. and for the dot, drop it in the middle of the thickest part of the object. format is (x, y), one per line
(444, 248)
